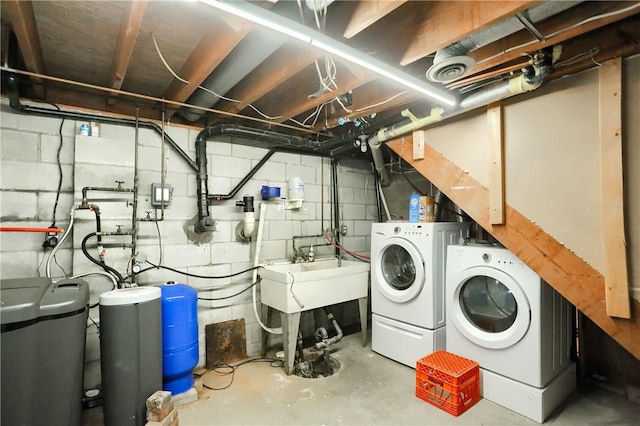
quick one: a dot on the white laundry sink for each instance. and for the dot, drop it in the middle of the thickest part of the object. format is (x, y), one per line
(313, 284)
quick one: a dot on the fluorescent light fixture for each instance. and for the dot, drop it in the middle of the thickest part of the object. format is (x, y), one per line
(260, 16)
(237, 9)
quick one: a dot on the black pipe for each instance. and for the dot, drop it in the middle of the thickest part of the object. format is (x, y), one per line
(104, 266)
(14, 102)
(336, 200)
(291, 144)
(376, 180)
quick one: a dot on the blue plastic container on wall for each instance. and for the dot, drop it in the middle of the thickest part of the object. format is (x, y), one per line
(179, 337)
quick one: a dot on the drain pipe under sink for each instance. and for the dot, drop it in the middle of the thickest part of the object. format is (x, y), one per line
(256, 260)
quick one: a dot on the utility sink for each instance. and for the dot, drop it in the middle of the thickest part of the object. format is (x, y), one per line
(297, 287)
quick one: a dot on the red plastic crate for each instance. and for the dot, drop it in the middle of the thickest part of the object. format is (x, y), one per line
(448, 381)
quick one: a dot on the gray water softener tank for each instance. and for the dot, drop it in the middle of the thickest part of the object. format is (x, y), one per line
(42, 351)
(130, 353)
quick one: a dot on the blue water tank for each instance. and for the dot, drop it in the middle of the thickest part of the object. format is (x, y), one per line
(179, 337)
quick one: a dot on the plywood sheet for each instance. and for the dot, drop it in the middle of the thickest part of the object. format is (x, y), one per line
(552, 162)
(226, 342)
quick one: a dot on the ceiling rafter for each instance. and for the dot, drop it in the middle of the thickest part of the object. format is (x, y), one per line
(127, 36)
(25, 28)
(449, 21)
(368, 13)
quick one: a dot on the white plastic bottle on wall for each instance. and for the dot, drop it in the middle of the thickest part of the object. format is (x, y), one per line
(296, 189)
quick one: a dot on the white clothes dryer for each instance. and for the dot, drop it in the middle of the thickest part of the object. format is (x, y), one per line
(407, 287)
(501, 314)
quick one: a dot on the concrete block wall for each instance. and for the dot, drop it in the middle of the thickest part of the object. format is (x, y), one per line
(29, 183)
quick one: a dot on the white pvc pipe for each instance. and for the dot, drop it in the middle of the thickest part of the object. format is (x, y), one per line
(64, 237)
(249, 225)
(384, 202)
(256, 260)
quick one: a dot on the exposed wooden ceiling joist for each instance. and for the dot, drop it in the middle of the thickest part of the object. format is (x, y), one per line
(368, 13)
(449, 21)
(127, 36)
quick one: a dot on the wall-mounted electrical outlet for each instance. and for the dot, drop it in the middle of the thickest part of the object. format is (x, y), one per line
(161, 197)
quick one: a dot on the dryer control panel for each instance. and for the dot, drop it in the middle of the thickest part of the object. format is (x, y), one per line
(410, 229)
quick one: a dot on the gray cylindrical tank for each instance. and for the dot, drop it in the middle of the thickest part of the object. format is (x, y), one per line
(130, 353)
(42, 351)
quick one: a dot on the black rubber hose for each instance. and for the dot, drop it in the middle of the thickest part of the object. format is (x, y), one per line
(107, 268)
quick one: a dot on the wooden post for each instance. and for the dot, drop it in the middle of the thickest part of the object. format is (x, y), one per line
(496, 167)
(611, 184)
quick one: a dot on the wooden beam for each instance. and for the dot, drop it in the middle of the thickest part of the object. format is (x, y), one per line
(496, 165)
(367, 13)
(571, 276)
(25, 27)
(214, 46)
(611, 186)
(129, 29)
(450, 21)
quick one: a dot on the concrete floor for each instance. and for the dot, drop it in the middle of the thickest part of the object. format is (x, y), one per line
(369, 389)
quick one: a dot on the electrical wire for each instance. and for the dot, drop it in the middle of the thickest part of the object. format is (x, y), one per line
(230, 296)
(231, 370)
(578, 58)
(159, 242)
(60, 175)
(212, 277)
(383, 102)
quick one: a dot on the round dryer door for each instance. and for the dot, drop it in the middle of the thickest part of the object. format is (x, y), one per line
(489, 308)
(399, 270)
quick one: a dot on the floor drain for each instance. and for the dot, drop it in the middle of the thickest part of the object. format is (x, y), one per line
(317, 366)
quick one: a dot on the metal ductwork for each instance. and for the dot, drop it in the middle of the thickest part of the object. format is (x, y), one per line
(452, 62)
(531, 78)
(251, 52)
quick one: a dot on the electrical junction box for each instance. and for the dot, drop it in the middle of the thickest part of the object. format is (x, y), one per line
(158, 196)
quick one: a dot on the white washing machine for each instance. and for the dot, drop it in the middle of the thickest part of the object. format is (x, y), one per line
(407, 287)
(501, 314)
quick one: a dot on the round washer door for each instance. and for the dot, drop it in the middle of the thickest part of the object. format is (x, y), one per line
(399, 270)
(489, 307)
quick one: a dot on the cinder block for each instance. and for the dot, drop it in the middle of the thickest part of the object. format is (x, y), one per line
(306, 173)
(286, 158)
(17, 175)
(245, 151)
(18, 206)
(229, 166)
(353, 212)
(49, 149)
(41, 124)
(214, 147)
(185, 398)
(19, 146)
(188, 255)
(104, 151)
